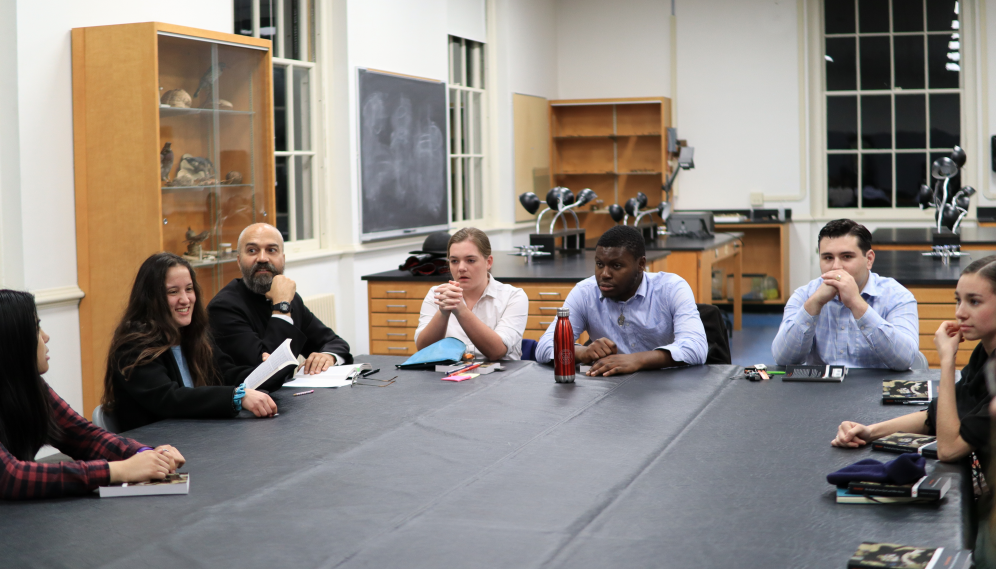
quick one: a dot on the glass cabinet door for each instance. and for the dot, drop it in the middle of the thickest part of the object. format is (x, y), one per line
(210, 132)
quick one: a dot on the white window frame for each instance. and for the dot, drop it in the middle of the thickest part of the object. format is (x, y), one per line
(970, 133)
(478, 196)
(316, 154)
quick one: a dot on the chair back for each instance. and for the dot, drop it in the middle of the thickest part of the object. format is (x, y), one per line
(529, 349)
(920, 363)
(105, 420)
(716, 336)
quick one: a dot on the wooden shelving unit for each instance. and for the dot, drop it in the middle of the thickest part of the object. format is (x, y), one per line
(124, 210)
(616, 147)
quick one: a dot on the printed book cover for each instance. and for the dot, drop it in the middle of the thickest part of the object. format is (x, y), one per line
(905, 392)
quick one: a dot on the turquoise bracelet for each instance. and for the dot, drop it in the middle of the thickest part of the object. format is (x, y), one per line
(240, 392)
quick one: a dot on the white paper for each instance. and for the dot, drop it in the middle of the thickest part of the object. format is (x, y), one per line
(278, 360)
(336, 376)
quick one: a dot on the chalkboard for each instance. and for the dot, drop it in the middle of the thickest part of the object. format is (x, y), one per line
(403, 159)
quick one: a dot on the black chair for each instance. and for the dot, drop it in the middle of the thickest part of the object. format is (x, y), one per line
(716, 335)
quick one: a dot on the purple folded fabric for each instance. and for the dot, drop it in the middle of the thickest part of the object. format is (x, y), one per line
(905, 469)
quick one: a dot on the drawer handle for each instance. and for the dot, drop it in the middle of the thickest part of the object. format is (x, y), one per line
(403, 349)
(548, 308)
(545, 323)
(397, 334)
(396, 291)
(405, 321)
(397, 306)
(549, 294)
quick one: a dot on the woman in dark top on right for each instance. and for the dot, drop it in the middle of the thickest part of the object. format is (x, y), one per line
(959, 415)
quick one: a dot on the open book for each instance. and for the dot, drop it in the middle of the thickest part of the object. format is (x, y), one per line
(278, 360)
(335, 376)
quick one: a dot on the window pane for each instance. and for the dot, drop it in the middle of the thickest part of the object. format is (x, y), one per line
(876, 180)
(954, 183)
(945, 120)
(302, 108)
(456, 188)
(875, 63)
(280, 191)
(876, 122)
(907, 15)
(243, 17)
(465, 174)
(842, 123)
(842, 180)
(838, 16)
(477, 112)
(478, 179)
(469, 53)
(911, 121)
(456, 61)
(911, 171)
(943, 64)
(842, 72)
(465, 122)
(279, 108)
(268, 22)
(873, 16)
(908, 53)
(455, 125)
(303, 198)
(292, 40)
(941, 16)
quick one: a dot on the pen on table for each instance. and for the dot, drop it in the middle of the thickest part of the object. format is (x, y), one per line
(468, 368)
(776, 373)
(370, 372)
(304, 392)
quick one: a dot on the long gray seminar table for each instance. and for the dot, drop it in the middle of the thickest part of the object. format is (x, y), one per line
(657, 469)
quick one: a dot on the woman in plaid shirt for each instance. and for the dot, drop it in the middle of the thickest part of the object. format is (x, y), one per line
(32, 415)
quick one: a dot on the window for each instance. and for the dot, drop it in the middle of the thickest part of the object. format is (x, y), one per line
(467, 121)
(290, 25)
(893, 87)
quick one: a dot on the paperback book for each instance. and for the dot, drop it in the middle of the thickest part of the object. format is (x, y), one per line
(925, 445)
(176, 483)
(928, 488)
(874, 555)
(906, 392)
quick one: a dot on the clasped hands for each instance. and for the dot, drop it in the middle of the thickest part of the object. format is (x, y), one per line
(152, 464)
(605, 359)
(837, 282)
(449, 298)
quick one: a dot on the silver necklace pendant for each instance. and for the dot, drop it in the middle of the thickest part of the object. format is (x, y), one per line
(622, 320)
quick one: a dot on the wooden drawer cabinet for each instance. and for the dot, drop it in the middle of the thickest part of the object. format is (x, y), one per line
(398, 290)
(395, 305)
(394, 320)
(552, 292)
(392, 348)
(393, 334)
(934, 305)
(540, 322)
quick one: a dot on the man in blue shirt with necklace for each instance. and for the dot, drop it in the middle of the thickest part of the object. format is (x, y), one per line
(849, 315)
(637, 320)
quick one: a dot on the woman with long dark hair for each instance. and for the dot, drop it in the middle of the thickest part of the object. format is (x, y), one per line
(163, 362)
(32, 415)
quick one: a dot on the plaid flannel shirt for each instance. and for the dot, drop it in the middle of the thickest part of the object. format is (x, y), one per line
(91, 445)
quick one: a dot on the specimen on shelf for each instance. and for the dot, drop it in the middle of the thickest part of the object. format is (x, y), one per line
(194, 171)
(233, 177)
(193, 241)
(210, 77)
(165, 161)
(176, 98)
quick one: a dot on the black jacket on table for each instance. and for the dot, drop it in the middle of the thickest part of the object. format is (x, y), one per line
(155, 392)
(243, 325)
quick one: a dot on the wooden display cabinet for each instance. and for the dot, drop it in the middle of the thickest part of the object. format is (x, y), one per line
(125, 210)
(616, 147)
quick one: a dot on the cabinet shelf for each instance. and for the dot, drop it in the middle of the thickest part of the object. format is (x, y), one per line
(167, 111)
(171, 189)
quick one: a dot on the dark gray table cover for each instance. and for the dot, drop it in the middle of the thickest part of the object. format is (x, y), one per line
(658, 469)
(923, 236)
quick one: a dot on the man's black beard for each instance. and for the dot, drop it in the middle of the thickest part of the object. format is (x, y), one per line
(259, 284)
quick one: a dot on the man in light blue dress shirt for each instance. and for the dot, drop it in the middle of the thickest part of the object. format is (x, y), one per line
(637, 320)
(849, 315)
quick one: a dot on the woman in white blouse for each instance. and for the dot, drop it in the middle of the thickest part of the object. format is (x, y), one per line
(483, 313)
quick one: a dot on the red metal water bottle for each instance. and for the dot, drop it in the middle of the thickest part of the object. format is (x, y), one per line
(563, 347)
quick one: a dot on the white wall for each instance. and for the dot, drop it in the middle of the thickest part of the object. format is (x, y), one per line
(613, 49)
